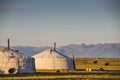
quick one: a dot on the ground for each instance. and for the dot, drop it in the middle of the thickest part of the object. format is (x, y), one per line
(86, 69)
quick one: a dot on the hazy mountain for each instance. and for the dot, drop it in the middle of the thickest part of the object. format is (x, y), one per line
(111, 50)
(99, 50)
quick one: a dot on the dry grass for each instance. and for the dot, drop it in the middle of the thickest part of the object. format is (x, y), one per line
(83, 63)
(70, 75)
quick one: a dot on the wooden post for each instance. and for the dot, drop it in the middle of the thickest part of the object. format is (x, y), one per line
(73, 60)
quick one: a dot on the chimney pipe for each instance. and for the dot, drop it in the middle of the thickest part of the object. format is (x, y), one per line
(54, 46)
(8, 41)
(73, 61)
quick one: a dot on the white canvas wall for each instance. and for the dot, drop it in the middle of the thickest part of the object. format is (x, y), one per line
(51, 63)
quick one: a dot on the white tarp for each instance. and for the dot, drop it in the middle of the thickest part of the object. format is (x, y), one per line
(12, 62)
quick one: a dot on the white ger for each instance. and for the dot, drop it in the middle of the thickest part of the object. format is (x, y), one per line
(53, 60)
(13, 62)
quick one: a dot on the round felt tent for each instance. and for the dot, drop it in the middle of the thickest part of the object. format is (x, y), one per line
(52, 59)
(12, 62)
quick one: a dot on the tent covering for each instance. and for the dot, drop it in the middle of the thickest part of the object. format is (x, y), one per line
(52, 59)
(12, 62)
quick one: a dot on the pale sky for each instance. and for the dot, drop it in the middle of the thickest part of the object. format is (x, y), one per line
(42, 22)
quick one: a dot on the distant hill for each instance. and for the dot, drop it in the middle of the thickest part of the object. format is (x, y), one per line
(93, 51)
(111, 50)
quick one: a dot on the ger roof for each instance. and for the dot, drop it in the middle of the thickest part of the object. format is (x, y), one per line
(5, 52)
(50, 54)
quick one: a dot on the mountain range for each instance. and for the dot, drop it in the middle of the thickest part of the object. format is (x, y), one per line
(106, 50)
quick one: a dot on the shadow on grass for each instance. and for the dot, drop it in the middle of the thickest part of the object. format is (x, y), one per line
(77, 72)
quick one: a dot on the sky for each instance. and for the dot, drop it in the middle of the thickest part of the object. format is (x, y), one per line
(43, 22)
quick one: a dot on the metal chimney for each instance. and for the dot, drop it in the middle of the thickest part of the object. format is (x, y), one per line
(8, 41)
(54, 46)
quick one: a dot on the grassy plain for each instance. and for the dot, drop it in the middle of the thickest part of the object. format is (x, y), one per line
(111, 71)
(97, 63)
